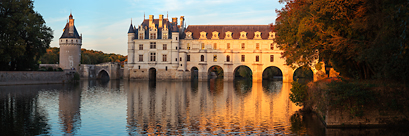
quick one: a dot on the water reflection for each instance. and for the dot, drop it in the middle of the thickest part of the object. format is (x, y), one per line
(69, 108)
(117, 107)
(213, 107)
(20, 112)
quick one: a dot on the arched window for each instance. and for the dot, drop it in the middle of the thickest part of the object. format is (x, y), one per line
(228, 58)
(202, 58)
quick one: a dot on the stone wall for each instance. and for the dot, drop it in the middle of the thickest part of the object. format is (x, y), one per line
(54, 66)
(34, 77)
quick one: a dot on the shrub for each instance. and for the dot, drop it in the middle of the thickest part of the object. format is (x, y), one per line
(352, 96)
(298, 93)
(50, 69)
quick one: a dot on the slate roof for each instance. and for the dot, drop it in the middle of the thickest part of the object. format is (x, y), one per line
(169, 25)
(235, 29)
(66, 33)
(131, 29)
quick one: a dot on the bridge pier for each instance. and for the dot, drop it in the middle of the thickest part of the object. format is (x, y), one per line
(228, 76)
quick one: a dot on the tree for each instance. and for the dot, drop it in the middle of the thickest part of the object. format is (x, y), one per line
(359, 38)
(24, 37)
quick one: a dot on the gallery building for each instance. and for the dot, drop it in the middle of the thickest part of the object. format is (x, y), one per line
(169, 50)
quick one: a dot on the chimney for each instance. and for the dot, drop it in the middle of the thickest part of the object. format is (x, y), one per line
(71, 24)
(182, 21)
(151, 21)
(160, 21)
(175, 20)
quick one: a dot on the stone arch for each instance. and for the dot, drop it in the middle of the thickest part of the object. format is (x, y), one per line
(243, 71)
(152, 73)
(272, 73)
(304, 74)
(215, 71)
(194, 73)
(103, 74)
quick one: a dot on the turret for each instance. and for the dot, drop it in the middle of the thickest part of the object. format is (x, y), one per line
(70, 46)
(131, 43)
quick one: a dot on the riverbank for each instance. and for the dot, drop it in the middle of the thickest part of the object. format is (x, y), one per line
(34, 77)
(347, 103)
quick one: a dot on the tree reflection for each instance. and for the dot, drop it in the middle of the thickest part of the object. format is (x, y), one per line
(20, 113)
(242, 86)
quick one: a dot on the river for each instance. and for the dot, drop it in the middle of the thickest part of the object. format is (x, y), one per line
(120, 107)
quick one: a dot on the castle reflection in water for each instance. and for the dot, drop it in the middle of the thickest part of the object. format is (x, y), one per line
(213, 107)
(143, 107)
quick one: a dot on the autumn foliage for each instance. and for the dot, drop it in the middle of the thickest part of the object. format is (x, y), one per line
(87, 57)
(362, 39)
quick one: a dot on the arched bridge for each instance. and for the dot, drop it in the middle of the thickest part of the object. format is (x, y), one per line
(108, 70)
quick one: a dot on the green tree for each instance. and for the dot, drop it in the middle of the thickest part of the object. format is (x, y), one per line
(359, 38)
(24, 37)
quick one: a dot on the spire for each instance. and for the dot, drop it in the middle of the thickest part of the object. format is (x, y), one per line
(143, 15)
(167, 14)
(131, 29)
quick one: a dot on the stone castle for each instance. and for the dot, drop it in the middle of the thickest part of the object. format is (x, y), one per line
(166, 49)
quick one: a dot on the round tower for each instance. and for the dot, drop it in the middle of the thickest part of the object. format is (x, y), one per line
(70, 46)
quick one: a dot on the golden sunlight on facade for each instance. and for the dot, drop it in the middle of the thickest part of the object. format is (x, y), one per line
(164, 50)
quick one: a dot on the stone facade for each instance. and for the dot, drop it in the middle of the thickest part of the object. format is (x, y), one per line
(174, 50)
(70, 46)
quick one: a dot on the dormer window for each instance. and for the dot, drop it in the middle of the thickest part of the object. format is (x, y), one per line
(271, 35)
(165, 36)
(243, 35)
(215, 35)
(140, 35)
(257, 35)
(203, 35)
(228, 35)
(188, 35)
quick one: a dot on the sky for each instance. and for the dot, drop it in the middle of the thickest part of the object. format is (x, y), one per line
(104, 23)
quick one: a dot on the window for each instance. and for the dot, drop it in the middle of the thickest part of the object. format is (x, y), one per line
(153, 56)
(202, 58)
(164, 58)
(180, 58)
(271, 46)
(165, 46)
(228, 45)
(176, 38)
(140, 35)
(153, 45)
(188, 58)
(165, 36)
(140, 46)
(243, 46)
(243, 58)
(215, 46)
(166, 68)
(188, 46)
(215, 58)
(228, 58)
(140, 58)
(139, 67)
(257, 46)
(257, 58)
(153, 36)
(203, 47)
(271, 58)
